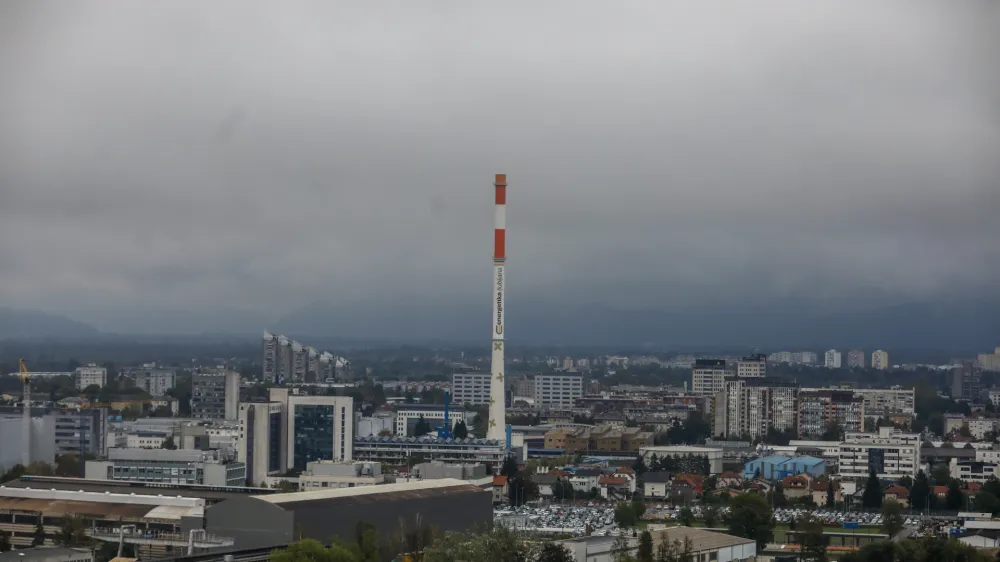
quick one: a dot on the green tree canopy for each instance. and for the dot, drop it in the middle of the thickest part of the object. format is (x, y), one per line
(892, 517)
(750, 517)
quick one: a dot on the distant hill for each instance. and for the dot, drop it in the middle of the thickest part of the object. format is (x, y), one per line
(34, 324)
(910, 326)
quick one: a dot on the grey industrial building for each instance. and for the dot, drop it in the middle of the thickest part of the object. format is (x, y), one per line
(180, 466)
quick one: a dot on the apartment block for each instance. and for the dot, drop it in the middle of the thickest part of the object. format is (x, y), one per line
(752, 366)
(756, 405)
(880, 360)
(470, 388)
(708, 376)
(890, 453)
(832, 359)
(856, 359)
(215, 395)
(559, 390)
(820, 409)
(885, 402)
(965, 382)
(155, 381)
(90, 375)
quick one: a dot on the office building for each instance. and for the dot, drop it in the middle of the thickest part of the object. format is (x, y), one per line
(965, 383)
(155, 381)
(408, 415)
(708, 377)
(831, 359)
(401, 451)
(261, 442)
(822, 409)
(890, 453)
(90, 375)
(329, 474)
(880, 360)
(215, 395)
(85, 431)
(756, 405)
(855, 359)
(316, 428)
(168, 466)
(752, 366)
(557, 390)
(470, 388)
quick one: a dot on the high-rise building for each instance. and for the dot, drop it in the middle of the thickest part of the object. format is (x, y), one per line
(780, 357)
(82, 432)
(284, 360)
(822, 409)
(155, 381)
(327, 367)
(320, 428)
(890, 453)
(753, 406)
(965, 382)
(90, 375)
(708, 377)
(269, 345)
(470, 388)
(299, 362)
(831, 359)
(989, 361)
(752, 366)
(312, 364)
(855, 359)
(261, 444)
(880, 360)
(885, 402)
(215, 395)
(804, 357)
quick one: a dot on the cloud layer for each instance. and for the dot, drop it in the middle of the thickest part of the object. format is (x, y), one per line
(658, 153)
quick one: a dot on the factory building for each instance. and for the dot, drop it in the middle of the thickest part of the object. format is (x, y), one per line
(400, 450)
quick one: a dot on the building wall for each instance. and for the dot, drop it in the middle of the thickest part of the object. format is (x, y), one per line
(12, 436)
(253, 523)
(308, 432)
(470, 388)
(558, 390)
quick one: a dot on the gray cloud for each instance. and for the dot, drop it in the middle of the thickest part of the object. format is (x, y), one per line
(264, 157)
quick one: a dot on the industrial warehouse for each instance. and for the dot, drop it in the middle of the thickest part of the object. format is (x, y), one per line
(173, 520)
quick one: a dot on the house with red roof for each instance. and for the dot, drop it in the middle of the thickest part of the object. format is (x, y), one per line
(899, 494)
(500, 494)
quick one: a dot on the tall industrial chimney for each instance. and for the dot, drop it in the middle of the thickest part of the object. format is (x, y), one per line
(498, 419)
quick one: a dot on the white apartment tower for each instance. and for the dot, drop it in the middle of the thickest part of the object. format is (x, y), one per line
(752, 366)
(831, 359)
(90, 375)
(708, 377)
(269, 347)
(855, 359)
(880, 360)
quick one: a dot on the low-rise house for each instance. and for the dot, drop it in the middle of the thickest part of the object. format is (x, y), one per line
(545, 483)
(730, 480)
(897, 493)
(797, 486)
(656, 484)
(615, 487)
(819, 492)
(585, 479)
(500, 490)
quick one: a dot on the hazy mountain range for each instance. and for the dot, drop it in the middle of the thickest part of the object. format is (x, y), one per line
(965, 326)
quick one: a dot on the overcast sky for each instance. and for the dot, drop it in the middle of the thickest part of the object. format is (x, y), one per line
(266, 155)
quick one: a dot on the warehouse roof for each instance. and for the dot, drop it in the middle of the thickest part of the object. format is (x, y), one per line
(700, 539)
(212, 493)
(376, 493)
(45, 553)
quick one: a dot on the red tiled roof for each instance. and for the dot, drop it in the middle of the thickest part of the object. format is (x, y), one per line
(897, 491)
(625, 470)
(608, 480)
(499, 480)
(939, 490)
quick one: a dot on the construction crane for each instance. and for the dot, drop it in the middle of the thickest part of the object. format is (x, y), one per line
(26, 440)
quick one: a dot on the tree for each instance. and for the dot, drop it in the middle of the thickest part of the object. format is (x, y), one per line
(872, 498)
(554, 552)
(941, 474)
(5, 542)
(620, 550)
(906, 482)
(645, 553)
(833, 433)
(423, 427)
(461, 431)
(639, 465)
(920, 492)
(987, 502)
(168, 443)
(674, 551)
(750, 517)
(811, 539)
(67, 465)
(40, 468)
(831, 495)
(639, 509)
(38, 539)
(686, 516)
(309, 550)
(892, 518)
(625, 515)
(711, 515)
(286, 486)
(14, 473)
(498, 544)
(73, 532)
(954, 499)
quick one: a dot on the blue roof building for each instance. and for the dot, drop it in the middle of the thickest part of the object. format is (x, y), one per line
(776, 467)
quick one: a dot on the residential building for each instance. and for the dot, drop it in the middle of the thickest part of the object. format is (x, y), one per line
(300, 361)
(408, 415)
(401, 451)
(500, 490)
(585, 479)
(973, 471)
(155, 381)
(470, 388)
(215, 395)
(804, 357)
(90, 375)
(557, 390)
(605, 439)
(780, 357)
(756, 405)
(822, 409)
(269, 348)
(855, 359)
(312, 365)
(752, 366)
(831, 359)
(965, 382)
(886, 402)
(989, 361)
(708, 377)
(330, 474)
(261, 444)
(524, 387)
(890, 453)
(168, 466)
(880, 360)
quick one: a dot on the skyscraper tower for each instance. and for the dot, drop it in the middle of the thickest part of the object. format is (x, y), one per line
(497, 418)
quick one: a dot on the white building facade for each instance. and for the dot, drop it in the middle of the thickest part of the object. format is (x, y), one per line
(832, 359)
